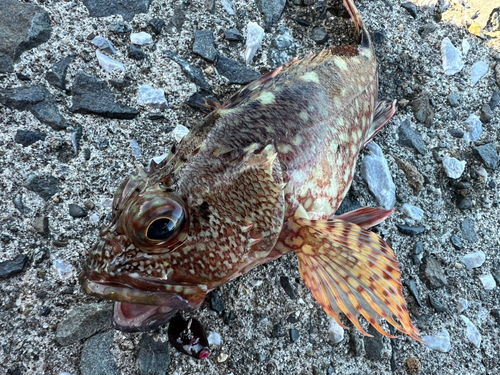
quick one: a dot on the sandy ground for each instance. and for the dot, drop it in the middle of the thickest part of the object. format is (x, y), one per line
(410, 66)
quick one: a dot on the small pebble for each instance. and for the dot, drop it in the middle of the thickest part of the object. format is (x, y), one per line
(222, 357)
(462, 305)
(488, 154)
(410, 230)
(255, 35)
(294, 335)
(468, 231)
(411, 8)
(180, 132)
(413, 212)
(63, 269)
(335, 331)
(379, 36)
(474, 260)
(474, 129)
(465, 47)
(319, 35)
(103, 44)
(287, 287)
(479, 69)
(486, 113)
(229, 6)
(414, 366)
(452, 57)
(76, 211)
(120, 27)
(456, 241)
(454, 99)
(136, 53)
(107, 63)
(141, 38)
(453, 167)
(440, 342)
(135, 148)
(233, 35)
(436, 304)
(472, 332)
(488, 281)
(214, 338)
(154, 98)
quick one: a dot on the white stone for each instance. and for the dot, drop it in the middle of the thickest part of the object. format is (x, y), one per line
(158, 159)
(214, 338)
(453, 167)
(107, 63)
(135, 148)
(255, 35)
(335, 332)
(472, 332)
(141, 38)
(474, 260)
(375, 171)
(63, 269)
(474, 129)
(413, 212)
(465, 47)
(180, 132)
(440, 342)
(462, 305)
(488, 281)
(154, 98)
(103, 44)
(452, 57)
(479, 69)
(229, 6)
(94, 218)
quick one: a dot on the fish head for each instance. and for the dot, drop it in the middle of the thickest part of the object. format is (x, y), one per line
(129, 263)
(168, 245)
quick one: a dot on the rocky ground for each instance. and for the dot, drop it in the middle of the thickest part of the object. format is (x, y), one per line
(65, 145)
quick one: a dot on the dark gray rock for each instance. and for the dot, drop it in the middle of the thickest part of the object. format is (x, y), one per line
(422, 110)
(418, 250)
(90, 95)
(409, 230)
(454, 99)
(289, 290)
(157, 25)
(179, 17)
(411, 8)
(41, 254)
(348, 205)
(409, 137)
(204, 44)
(76, 211)
(432, 274)
(412, 287)
(195, 74)
(282, 47)
(216, 302)
(456, 133)
(23, 27)
(44, 185)
(82, 322)
(104, 45)
(197, 100)
(10, 268)
(425, 322)
(456, 241)
(154, 357)
(136, 53)
(96, 356)
(41, 225)
(319, 35)
(488, 154)
(120, 27)
(277, 331)
(463, 202)
(495, 99)
(373, 345)
(356, 343)
(126, 8)
(468, 231)
(28, 137)
(294, 335)
(235, 71)
(426, 30)
(436, 304)
(19, 205)
(56, 76)
(496, 314)
(272, 10)
(379, 36)
(486, 114)
(233, 35)
(48, 113)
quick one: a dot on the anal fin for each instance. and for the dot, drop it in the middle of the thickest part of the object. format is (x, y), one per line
(351, 270)
(384, 110)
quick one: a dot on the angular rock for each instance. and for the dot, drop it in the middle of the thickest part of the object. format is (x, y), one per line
(10, 268)
(426, 30)
(96, 356)
(479, 69)
(216, 302)
(157, 25)
(154, 357)
(28, 137)
(103, 44)
(373, 345)
(488, 281)
(468, 231)
(283, 47)
(56, 76)
(440, 342)
(413, 176)
(453, 167)
(319, 35)
(136, 53)
(198, 100)
(294, 335)
(454, 99)
(486, 114)
(272, 10)
(154, 98)
(474, 129)
(48, 113)
(411, 8)
(23, 27)
(456, 241)
(488, 154)
(432, 274)
(472, 332)
(409, 137)
(83, 321)
(412, 286)
(44, 185)
(379, 36)
(141, 38)
(90, 95)
(422, 110)
(195, 74)
(233, 35)
(436, 304)
(107, 63)
(120, 27)
(335, 331)
(494, 100)
(413, 212)
(452, 57)
(76, 211)
(41, 225)
(255, 35)
(126, 8)
(204, 44)
(409, 230)
(235, 71)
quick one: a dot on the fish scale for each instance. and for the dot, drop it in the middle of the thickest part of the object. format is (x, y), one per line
(261, 176)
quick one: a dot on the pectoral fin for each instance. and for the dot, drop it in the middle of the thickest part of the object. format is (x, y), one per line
(351, 270)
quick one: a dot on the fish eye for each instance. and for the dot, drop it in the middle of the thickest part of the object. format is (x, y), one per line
(163, 228)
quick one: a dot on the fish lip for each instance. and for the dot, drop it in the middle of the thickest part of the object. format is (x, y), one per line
(98, 285)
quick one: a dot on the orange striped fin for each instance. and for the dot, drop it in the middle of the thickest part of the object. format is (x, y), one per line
(351, 270)
(365, 217)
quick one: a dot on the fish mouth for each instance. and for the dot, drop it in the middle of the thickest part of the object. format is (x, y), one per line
(139, 305)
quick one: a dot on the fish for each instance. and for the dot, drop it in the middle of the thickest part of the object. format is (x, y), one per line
(261, 176)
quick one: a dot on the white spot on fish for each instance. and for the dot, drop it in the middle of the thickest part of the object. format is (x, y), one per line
(310, 77)
(267, 98)
(304, 116)
(340, 62)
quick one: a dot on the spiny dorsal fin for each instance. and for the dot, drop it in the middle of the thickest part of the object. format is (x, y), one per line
(351, 270)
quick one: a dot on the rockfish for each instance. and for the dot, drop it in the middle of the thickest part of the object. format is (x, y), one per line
(261, 176)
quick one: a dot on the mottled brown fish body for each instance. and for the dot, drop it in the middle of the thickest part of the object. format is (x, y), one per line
(261, 176)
